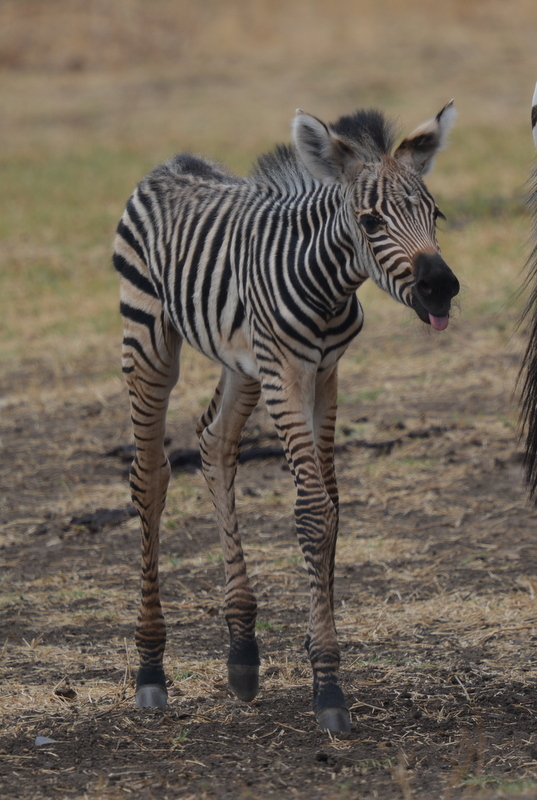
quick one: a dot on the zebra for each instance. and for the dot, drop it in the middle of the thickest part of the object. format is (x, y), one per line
(529, 363)
(260, 273)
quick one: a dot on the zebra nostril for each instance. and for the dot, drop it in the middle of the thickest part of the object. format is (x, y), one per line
(424, 288)
(434, 283)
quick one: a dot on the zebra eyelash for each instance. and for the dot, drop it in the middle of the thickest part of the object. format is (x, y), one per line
(438, 215)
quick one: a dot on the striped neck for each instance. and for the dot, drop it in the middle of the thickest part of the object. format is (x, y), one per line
(315, 247)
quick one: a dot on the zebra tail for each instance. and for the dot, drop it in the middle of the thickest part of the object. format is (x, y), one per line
(528, 371)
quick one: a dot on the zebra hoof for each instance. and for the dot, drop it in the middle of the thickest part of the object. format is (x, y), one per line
(335, 720)
(151, 696)
(243, 681)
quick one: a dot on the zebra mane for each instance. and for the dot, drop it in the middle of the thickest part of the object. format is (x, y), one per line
(282, 169)
(201, 168)
(370, 134)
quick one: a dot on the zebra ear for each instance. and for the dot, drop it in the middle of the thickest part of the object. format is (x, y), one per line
(327, 157)
(419, 149)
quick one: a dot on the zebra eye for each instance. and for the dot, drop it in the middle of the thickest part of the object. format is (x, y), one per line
(370, 223)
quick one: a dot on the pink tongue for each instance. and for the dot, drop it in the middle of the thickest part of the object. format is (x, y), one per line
(439, 323)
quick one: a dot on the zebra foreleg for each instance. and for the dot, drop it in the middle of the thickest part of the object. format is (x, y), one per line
(329, 700)
(151, 367)
(219, 430)
(324, 420)
(306, 431)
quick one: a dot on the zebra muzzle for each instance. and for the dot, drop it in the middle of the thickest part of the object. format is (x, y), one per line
(434, 287)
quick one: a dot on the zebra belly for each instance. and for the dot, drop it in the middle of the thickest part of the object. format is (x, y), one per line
(223, 334)
(230, 348)
(237, 354)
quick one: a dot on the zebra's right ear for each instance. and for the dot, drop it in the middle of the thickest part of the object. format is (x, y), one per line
(327, 157)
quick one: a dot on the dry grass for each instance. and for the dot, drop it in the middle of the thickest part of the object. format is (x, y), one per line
(436, 573)
(77, 136)
(87, 110)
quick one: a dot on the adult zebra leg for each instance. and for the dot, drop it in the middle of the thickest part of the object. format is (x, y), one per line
(304, 415)
(151, 366)
(219, 430)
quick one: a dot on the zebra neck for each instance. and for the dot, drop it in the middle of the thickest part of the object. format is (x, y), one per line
(325, 248)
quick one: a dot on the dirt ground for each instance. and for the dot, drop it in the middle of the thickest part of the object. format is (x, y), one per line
(436, 566)
(436, 581)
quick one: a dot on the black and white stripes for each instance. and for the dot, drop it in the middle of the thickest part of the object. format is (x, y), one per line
(260, 274)
(529, 366)
(534, 116)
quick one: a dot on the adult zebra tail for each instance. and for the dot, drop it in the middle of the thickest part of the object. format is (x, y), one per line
(529, 364)
(534, 115)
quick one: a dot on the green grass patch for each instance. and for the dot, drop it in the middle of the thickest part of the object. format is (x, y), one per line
(57, 221)
(267, 625)
(505, 787)
(182, 674)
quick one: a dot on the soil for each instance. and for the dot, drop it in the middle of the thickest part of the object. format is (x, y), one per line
(435, 597)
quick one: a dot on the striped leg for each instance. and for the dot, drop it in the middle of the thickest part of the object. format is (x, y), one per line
(306, 429)
(325, 415)
(151, 366)
(219, 430)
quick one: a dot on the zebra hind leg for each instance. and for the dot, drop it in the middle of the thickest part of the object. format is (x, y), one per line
(151, 366)
(219, 431)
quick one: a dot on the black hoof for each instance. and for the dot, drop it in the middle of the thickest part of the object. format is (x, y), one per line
(151, 695)
(243, 681)
(335, 720)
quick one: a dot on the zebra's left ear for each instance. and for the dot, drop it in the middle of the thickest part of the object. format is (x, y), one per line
(326, 156)
(419, 149)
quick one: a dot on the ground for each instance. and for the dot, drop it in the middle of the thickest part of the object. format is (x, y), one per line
(436, 565)
(435, 595)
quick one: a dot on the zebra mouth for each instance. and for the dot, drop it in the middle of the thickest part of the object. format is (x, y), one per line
(433, 289)
(437, 321)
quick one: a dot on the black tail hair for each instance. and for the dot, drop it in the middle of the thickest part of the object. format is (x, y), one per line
(528, 371)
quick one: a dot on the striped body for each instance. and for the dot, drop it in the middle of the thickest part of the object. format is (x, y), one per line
(260, 274)
(225, 309)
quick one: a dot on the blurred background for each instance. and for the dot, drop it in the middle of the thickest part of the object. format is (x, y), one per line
(93, 94)
(438, 552)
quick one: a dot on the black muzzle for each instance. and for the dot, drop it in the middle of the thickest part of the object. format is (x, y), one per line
(434, 287)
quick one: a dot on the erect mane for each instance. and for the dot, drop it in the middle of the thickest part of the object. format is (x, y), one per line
(368, 132)
(282, 169)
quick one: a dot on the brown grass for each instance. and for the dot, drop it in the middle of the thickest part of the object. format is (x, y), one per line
(436, 568)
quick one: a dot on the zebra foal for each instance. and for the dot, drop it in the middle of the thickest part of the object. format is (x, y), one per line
(260, 274)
